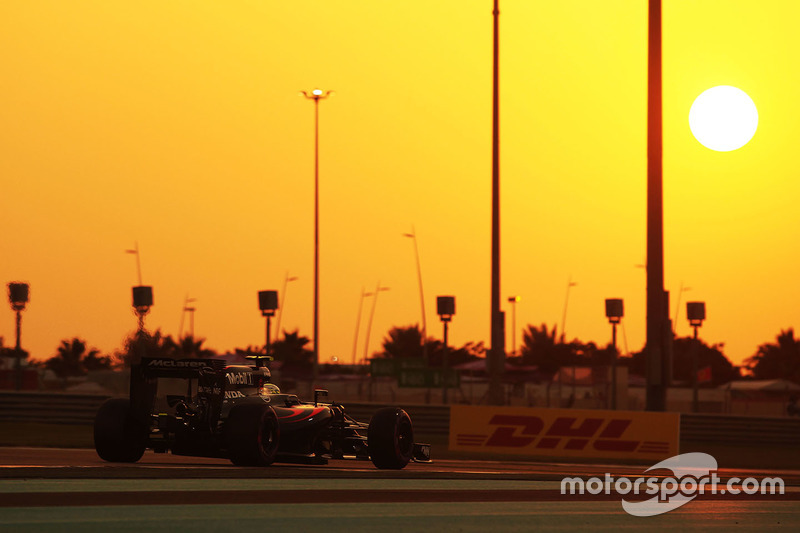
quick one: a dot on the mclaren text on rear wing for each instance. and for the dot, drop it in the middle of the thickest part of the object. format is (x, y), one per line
(162, 367)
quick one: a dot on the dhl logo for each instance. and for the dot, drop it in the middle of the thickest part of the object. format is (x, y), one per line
(527, 431)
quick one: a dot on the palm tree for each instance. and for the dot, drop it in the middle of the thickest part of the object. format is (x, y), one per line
(541, 348)
(188, 346)
(68, 361)
(686, 348)
(292, 351)
(10, 351)
(142, 343)
(406, 343)
(780, 360)
(92, 361)
(455, 356)
(403, 342)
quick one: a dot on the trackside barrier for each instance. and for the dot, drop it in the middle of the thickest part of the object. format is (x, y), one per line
(579, 433)
(428, 420)
(51, 408)
(80, 409)
(741, 430)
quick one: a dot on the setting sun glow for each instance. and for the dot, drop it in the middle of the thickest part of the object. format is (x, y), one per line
(178, 126)
(723, 118)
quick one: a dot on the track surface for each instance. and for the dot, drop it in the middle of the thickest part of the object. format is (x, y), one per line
(70, 463)
(73, 490)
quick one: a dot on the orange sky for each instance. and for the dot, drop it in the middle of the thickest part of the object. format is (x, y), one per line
(178, 125)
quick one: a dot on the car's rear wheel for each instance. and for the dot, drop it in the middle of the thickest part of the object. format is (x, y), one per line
(118, 437)
(251, 435)
(390, 439)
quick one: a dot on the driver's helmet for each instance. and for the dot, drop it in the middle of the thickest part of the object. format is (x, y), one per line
(269, 388)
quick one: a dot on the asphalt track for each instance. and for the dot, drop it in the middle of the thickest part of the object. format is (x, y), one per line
(73, 490)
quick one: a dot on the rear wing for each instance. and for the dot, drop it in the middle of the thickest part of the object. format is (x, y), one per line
(162, 367)
(145, 374)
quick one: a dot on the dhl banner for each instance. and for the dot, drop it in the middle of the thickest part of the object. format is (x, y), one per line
(564, 432)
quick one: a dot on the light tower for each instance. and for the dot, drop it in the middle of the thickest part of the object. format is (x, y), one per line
(18, 295)
(696, 313)
(267, 303)
(614, 312)
(445, 308)
(316, 95)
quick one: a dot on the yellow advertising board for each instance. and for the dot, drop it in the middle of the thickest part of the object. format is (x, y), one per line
(564, 432)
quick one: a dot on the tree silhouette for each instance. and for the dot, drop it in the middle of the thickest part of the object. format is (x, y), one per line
(93, 361)
(722, 370)
(187, 347)
(74, 359)
(143, 343)
(540, 348)
(292, 352)
(10, 351)
(455, 356)
(779, 360)
(683, 350)
(405, 342)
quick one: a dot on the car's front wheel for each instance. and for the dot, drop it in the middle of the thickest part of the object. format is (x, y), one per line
(251, 435)
(390, 438)
(118, 437)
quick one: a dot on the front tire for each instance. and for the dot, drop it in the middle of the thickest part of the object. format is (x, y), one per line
(390, 439)
(252, 433)
(118, 437)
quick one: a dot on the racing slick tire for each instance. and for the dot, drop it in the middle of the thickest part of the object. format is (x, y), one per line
(118, 437)
(251, 435)
(390, 439)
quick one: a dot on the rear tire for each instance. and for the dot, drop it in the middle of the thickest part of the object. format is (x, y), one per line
(251, 435)
(390, 439)
(118, 437)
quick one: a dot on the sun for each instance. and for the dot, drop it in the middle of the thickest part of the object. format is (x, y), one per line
(723, 118)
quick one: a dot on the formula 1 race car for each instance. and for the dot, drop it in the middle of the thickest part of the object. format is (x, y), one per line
(235, 412)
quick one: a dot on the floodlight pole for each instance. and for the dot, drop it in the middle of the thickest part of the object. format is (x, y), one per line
(445, 308)
(191, 310)
(378, 289)
(696, 313)
(364, 294)
(18, 298)
(267, 346)
(615, 310)
(413, 235)
(695, 384)
(444, 362)
(286, 281)
(142, 301)
(267, 304)
(513, 301)
(138, 262)
(316, 95)
(18, 353)
(496, 357)
(657, 321)
(614, 366)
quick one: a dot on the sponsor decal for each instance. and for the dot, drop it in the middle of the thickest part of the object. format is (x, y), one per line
(692, 474)
(564, 432)
(233, 394)
(175, 363)
(240, 378)
(203, 389)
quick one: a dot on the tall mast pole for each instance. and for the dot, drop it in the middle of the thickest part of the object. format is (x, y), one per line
(656, 306)
(496, 358)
